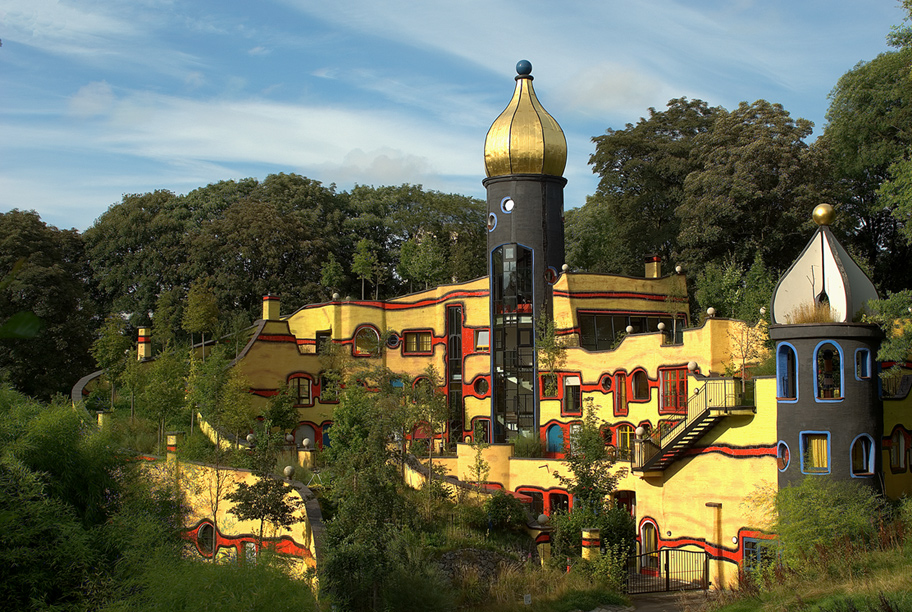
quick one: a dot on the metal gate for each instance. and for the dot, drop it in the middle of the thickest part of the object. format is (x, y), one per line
(668, 569)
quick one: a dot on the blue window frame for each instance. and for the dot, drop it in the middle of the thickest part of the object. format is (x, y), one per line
(862, 364)
(757, 553)
(555, 439)
(786, 373)
(829, 368)
(862, 459)
(815, 452)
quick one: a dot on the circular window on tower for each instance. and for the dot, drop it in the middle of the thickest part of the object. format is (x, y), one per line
(782, 456)
(492, 222)
(606, 383)
(507, 205)
(481, 386)
(551, 275)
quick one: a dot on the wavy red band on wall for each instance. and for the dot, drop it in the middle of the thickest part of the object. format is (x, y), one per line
(732, 451)
(400, 305)
(714, 551)
(277, 338)
(596, 295)
(284, 545)
(264, 392)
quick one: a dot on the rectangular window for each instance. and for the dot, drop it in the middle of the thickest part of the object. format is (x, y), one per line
(301, 386)
(482, 340)
(815, 452)
(323, 338)
(620, 394)
(757, 553)
(417, 342)
(862, 364)
(572, 396)
(674, 390)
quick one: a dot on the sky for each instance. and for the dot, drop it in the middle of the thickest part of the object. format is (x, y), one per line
(101, 98)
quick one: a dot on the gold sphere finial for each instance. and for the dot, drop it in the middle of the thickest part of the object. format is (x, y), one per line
(824, 214)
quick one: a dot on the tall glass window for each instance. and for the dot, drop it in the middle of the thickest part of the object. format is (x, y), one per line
(786, 372)
(513, 350)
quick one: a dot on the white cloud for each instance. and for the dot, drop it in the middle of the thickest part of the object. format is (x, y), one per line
(259, 51)
(93, 99)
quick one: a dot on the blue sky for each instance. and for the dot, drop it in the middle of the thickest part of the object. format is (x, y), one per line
(103, 98)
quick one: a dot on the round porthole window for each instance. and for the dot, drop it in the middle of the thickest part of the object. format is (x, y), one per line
(782, 456)
(393, 340)
(492, 222)
(606, 383)
(507, 205)
(551, 275)
(481, 386)
(205, 538)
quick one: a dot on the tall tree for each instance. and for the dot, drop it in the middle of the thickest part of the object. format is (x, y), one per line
(111, 350)
(868, 139)
(641, 171)
(202, 313)
(751, 193)
(44, 274)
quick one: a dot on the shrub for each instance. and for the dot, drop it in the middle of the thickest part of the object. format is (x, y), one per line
(527, 446)
(616, 528)
(505, 511)
(818, 512)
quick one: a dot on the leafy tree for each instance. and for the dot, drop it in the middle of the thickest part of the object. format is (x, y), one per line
(331, 274)
(592, 477)
(206, 383)
(44, 277)
(752, 191)
(235, 406)
(112, 349)
(202, 312)
(281, 411)
(163, 395)
(894, 316)
(166, 319)
(552, 353)
(366, 265)
(868, 138)
(135, 252)
(267, 499)
(732, 291)
(642, 170)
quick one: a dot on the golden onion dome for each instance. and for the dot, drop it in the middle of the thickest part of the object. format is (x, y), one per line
(525, 139)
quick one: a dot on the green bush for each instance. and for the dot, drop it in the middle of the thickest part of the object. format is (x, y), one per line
(505, 511)
(616, 528)
(819, 513)
(527, 446)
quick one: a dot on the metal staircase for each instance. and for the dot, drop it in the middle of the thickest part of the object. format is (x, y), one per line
(712, 402)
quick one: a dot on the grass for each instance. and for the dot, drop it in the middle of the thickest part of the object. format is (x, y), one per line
(811, 313)
(865, 581)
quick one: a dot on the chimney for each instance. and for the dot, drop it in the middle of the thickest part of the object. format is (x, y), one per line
(144, 344)
(271, 306)
(653, 266)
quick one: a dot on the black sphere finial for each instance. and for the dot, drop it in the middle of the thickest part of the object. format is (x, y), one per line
(523, 67)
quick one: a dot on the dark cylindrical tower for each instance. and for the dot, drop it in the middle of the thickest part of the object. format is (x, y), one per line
(525, 155)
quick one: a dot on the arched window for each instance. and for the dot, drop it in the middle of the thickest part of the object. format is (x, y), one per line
(620, 394)
(625, 437)
(305, 432)
(649, 546)
(205, 539)
(828, 371)
(367, 342)
(862, 364)
(863, 456)
(327, 441)
(555, 439)
(786, 372)
(300, 386)
(640, 385)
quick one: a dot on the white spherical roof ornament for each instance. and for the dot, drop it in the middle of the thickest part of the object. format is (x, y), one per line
(679, 269)
(565, 268)
(251, 439)
(762, 311)
(629, 329)
(289, 438)
(289, 471)
(543, 519)
(711, 311)
(692, 366)
(640, 432)
(335, 297)
(306, 443)
(660, 326)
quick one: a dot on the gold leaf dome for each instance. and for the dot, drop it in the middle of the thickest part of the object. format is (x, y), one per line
(525, 139)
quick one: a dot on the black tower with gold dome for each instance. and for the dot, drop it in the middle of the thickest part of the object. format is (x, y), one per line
(525, 156)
